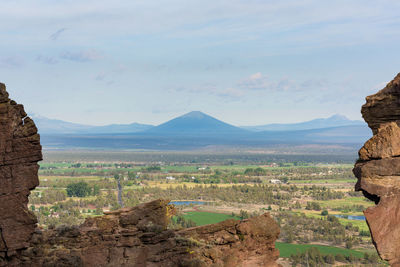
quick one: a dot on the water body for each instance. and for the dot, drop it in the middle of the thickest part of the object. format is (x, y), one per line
(187, 203)
(351, 217)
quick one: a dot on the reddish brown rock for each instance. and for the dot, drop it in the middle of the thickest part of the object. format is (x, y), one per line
(20, 151)
(139, 236)
(383, 107)
(378, 170)
(384, 144)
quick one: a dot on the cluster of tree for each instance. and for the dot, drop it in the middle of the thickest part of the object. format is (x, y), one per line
(255, 172)
(350, 208)
(303, 229)
(257, 194)
(312, 205)
(102, 183)
(82, 189)
(323, 193)
(48, 196)
(151, 169)
(124, 165)
(180, 221)
(313, 257)
(55, 216)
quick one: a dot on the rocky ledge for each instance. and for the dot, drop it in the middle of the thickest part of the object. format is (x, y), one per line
(378, 170)
(139, 236)
(136, 236)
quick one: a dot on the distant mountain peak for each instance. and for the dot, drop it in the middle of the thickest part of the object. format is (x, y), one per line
(196, 123)
(195, 115)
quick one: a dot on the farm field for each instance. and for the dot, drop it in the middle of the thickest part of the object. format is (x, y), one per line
(203, 218)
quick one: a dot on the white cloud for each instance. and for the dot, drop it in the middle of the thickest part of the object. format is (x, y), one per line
(256, 76)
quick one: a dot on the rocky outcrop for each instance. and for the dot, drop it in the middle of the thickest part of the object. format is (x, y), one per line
(139, 236)
(20, 151)
(136, 236)
(378, 170)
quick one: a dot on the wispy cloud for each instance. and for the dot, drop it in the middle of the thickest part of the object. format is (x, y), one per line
(258, 81)
(232, 93)
(260, 85)
(46, 59)
(226, 93)
(82, 56)
(54, 36)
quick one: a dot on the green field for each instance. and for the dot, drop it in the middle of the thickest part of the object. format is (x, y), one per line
(203, 218)
(286, 250)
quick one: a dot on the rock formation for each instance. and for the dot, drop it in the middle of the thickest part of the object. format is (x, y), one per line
(135, 236)
(20, 151)
(139, 236)
(378, 170)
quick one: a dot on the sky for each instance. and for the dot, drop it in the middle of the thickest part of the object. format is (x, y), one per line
(246, 62)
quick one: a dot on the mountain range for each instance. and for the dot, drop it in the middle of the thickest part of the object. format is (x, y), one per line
(52, 126)
(196, 130)
(333, 121)
(194, 121)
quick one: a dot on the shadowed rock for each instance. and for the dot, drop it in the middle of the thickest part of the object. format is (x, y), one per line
(20, 151)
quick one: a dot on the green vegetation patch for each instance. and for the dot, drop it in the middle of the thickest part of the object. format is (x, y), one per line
(203, 218)
(286, 250)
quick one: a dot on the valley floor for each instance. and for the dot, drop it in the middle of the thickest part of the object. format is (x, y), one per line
(313, 201)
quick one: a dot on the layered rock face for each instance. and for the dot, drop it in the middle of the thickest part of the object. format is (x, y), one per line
(139, 237)
(135, 236)
(378, 170)
(20, 151)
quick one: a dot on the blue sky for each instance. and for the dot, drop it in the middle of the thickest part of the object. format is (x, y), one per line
(245, 62)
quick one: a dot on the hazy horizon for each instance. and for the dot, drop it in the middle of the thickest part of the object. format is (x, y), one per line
(243, 62)
(145, 123)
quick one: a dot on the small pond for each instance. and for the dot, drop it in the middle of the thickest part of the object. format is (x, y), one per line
(351, 217)
(187, 203)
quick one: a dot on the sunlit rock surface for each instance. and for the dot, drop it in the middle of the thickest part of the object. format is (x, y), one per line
(378, 170)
